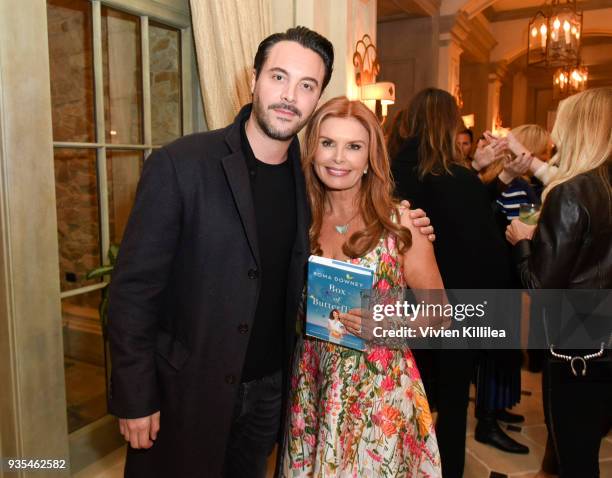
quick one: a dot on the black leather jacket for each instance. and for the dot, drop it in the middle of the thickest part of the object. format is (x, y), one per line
(572, 245)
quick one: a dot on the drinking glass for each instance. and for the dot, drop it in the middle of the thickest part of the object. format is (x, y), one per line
(528, 213)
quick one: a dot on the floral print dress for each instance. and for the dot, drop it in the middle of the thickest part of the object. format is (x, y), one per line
(359, 414)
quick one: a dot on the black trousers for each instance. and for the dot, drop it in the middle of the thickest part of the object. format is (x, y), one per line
(498, 380)
(578, 412)
(255, 427)
(447, 375)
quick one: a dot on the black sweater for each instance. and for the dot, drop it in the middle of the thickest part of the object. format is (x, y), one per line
(470, 250)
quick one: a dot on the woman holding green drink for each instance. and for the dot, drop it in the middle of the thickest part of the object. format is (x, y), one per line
(571, 248)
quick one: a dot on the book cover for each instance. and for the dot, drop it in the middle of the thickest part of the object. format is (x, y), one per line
(333, 287)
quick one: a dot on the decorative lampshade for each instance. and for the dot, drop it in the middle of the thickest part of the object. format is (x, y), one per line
(568, 81)
(468, 120)
(384, 91)
(554, 35)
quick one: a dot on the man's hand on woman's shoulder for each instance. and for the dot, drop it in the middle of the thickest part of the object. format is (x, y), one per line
(419, 219)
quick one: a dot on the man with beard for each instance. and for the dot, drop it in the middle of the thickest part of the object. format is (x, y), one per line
(205, 292)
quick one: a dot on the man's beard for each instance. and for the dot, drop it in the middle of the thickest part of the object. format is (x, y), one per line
(262, 120)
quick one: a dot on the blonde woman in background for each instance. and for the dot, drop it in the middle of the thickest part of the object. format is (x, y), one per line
(519, 189)
(528, 141)
(498, 373)
(571, 248)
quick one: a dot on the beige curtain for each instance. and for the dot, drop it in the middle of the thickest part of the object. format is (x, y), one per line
(227, 33)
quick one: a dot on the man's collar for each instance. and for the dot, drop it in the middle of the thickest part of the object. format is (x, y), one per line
(246, 148)
(232, 138)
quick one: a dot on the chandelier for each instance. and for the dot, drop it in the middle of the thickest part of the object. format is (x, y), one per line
(568, 81)
(554, 35)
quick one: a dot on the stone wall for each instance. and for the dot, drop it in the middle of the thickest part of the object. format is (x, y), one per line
(164, 59)
(77, 215)
(71, 68)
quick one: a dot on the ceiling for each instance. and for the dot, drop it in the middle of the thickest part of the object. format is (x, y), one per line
(389, 10)
(505, 5)
(595, 53)
(500, 10)
(503, 10)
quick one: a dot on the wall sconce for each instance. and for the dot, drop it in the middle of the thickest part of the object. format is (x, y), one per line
(377, 96)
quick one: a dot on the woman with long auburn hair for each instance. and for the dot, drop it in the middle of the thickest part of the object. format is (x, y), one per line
(358, 413)
(375, 195)
(571, 248)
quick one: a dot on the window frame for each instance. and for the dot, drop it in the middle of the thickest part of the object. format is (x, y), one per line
(100, 437)
(147, 12)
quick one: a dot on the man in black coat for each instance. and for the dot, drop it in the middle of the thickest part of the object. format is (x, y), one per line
(204, 296)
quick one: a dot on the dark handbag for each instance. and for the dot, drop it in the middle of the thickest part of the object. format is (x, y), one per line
(598, 370)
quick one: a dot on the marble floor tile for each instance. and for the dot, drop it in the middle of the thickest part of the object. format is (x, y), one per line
(507, 463)
(111, 466)
(474, 467)
(536, 433)
(480, 459)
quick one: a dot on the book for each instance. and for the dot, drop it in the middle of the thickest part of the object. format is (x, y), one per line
(334, 286)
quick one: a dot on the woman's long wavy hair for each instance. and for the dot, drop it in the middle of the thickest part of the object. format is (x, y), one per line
(433, 118)
(396, 132)
(376, 203)
(583, 137)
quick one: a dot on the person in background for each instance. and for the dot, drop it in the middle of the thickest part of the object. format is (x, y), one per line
(521, 189)
(495, 166)
(498, 373)
(534, 142)
(465, 141)
(571, 248)
(430, 171)
(489, 149)
(531, 141)
(543, 166)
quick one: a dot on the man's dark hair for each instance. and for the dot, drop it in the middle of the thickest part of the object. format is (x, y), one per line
(305, 37)
(469, 133)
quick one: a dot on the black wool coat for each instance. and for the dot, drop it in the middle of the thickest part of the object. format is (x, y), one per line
(183, 297)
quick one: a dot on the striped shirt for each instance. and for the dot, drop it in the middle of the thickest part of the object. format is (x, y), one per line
(518, 192)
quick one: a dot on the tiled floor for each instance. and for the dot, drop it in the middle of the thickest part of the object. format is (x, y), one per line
(481, 460)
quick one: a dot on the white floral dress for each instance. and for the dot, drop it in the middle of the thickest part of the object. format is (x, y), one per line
(360, 414)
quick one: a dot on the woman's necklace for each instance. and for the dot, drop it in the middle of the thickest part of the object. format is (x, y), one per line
(343, 228)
